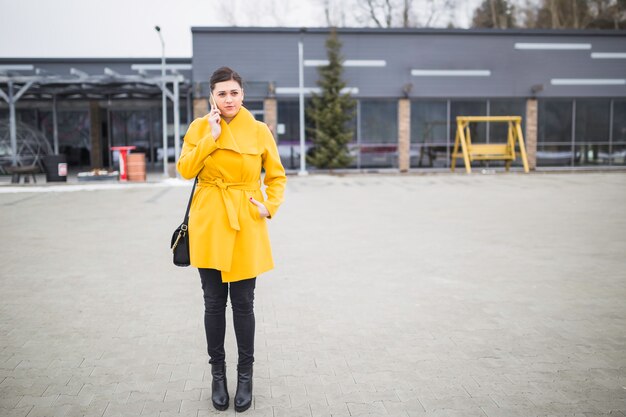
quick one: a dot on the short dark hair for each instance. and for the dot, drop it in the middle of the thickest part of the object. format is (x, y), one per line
(224, 74)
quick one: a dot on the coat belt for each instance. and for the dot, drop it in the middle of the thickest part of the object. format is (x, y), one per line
(233, 219)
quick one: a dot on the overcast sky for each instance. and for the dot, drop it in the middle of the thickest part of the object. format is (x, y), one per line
(125, 28)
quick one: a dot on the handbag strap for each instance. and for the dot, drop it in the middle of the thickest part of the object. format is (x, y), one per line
(189, 203)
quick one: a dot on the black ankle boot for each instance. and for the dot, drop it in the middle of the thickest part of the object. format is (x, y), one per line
(243, 397)
(219, 390)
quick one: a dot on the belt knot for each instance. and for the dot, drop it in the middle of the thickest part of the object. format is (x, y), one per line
(219, 183)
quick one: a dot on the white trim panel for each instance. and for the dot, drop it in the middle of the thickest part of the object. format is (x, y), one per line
(157, 67)
(310, 90)
(450, 73)
(315, 62)
(587, 81)
(16, 67)
(347, 62)
(608, 55)
(552, 46)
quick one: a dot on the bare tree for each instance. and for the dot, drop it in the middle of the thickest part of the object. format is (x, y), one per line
(401, 13)
(494, 16)
(405, 13)
(257, 13)
(577, 14)
(339, 13)
(497, 14)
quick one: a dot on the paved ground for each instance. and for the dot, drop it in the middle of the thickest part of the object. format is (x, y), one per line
(433, 295)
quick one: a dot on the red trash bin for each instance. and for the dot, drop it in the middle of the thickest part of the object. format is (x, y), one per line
(123, 150)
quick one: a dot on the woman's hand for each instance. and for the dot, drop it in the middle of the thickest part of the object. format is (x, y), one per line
(214, 120)
(263, 212)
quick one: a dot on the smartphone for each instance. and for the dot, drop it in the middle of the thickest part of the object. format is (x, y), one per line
(212, 101)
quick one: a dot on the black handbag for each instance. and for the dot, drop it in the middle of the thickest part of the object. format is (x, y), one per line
(180, 238)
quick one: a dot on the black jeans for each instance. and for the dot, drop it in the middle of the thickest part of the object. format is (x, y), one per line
(242, 300)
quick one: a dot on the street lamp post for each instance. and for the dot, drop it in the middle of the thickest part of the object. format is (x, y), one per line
(301, 97)
(164, 102)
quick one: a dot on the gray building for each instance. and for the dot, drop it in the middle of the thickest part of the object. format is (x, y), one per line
(568, 86)
(85, 106)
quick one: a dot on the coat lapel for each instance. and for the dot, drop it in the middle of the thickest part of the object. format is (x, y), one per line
(227, 140)
(240, 135)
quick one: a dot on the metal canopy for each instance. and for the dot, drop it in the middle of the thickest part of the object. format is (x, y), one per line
(78, 82)
(42, 85)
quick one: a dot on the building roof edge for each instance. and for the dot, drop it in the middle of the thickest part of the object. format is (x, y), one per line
(425, 31)
(78, 60)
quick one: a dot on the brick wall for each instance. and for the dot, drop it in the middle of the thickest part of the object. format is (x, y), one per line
(404, 134)
(530, 136)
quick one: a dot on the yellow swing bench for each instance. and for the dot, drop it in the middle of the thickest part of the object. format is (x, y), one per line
(488, 151)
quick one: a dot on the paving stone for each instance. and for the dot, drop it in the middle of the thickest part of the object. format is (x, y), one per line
(511, 401)
(397, 408)
(508, 411)
(176, 414)
(15, 412)
(470, 412)
(180, 385)
(55, 411)
(91, 410)
(432, 404)
(418, 325)
(195, 405)
(22, 386)
(115, 409)
(137, 396)
(293, 411)
(172, 395)
(253, 412)
(328, 410)
(117, 398)
(353, 397)
(27, 400)
(280, 390)
(73, 389)
(353, 387)
(305, 399)
(152, 407)
(7, 402)
(82, 399)
(321, 388)
(265, 402)
(375, 408)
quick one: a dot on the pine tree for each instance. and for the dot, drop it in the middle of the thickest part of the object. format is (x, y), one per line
(496, 14)
(330, 112)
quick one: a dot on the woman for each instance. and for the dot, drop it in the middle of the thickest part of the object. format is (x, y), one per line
(228, 238)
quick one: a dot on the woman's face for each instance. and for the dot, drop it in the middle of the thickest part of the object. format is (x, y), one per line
(228, 97)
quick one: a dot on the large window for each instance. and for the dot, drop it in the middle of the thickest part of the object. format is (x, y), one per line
(433, 133)
(512, 107)
(378, 134)
(478, 131)
(591, 131)
(618, 133)
(256, 108)
(555, 121)
(429, 122)
(429, 133)
(288, 132)
(497, 132)
(379, 121)
(134, 128)
(554, 138)
(74, 134)
(578, 132)
(592, 121)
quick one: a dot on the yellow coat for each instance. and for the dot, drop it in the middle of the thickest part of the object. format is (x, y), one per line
(226, 231)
